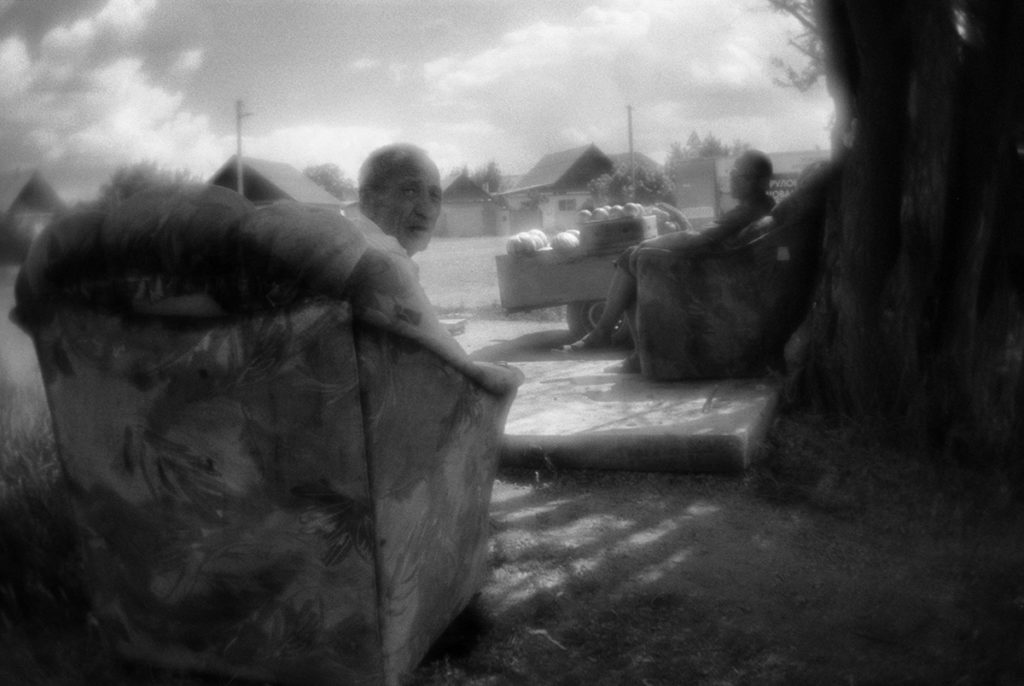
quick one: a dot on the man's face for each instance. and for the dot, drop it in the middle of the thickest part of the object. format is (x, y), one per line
(408, 204)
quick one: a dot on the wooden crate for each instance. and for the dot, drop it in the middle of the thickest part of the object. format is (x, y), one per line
(549, 278)
(610, 235)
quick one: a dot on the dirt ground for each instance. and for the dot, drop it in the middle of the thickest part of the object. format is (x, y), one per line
(834, 560)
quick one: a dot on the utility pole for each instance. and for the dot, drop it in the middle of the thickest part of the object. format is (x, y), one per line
(240, 114)
(632, 158)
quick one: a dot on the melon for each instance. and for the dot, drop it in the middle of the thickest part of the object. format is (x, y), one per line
(540, 236)
(565, 240)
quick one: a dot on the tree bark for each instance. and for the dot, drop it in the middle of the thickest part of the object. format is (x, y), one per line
(918, 316)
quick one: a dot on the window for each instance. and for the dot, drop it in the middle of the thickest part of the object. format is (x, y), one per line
(568, 205)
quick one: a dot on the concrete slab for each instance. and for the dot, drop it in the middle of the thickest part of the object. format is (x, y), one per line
(574, 412)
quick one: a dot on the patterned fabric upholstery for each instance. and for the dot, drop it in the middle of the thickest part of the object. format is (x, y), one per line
(725, 311)
(287, 489)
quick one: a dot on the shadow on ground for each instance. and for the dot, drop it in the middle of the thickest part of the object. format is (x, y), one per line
(603, 578)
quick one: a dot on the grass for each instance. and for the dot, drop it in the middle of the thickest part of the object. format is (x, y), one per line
(42, 599)
(459, 274)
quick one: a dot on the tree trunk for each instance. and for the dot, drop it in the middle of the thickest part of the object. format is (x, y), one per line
(918, 314)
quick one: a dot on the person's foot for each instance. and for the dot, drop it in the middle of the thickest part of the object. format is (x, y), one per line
(630, 365)
(594, 340)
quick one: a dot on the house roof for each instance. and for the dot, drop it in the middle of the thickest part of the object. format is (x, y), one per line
(511, 180)
(30, 187)
(621, 159)
(464, 189)
(289, 182)
(565, 169)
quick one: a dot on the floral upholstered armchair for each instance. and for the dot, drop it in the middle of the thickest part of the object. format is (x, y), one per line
(727, 311)
(280, 462)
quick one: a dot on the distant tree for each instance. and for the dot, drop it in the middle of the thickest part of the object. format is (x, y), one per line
(807, 42)
(652, 185)
(697, 147)
(330, 177)
(129, 179)
(676, 158)
(488, 177)
(457, 171)
(711, 146)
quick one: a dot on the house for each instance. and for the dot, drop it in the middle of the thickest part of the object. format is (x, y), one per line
(27, 203)
(469, 210)
(555, 189)
(265, 182)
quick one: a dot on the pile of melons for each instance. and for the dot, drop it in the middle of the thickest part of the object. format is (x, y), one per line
(606, 212)
(527, 242)
(535, 241)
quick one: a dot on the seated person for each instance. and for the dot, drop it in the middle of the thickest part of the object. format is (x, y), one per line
(399, 192)
(748, 184)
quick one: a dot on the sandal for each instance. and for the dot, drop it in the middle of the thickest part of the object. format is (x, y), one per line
(592, 341)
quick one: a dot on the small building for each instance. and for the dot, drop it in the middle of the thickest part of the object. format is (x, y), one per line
(555, 189)
(469, 210)
(27, 204)
(265, 182)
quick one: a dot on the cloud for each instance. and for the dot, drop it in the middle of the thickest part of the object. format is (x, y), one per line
(118, 19)
(123, 111)
(187, 62)
(699, 65)
(363, 64)
(149, 79)
(536, 49)
(15, 67)
(65, 104)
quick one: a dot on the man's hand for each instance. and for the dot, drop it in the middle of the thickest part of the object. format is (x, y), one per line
(675, 215)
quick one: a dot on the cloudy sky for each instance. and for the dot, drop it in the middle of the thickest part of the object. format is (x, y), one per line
(87, 85)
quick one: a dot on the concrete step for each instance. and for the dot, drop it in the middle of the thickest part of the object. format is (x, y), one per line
(573, 412)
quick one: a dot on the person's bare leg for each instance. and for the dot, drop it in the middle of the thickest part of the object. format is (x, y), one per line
(621, 294)
(630, 365)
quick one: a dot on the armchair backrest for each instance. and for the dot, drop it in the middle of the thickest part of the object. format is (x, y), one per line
(727, 311)
(272, 481)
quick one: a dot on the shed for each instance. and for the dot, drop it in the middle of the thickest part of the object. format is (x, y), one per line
(468, 210)
(27, 203)
(265, 182)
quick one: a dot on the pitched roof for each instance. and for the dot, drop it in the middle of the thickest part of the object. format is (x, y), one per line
(565, 168)
(13, 185)
(290, 183)
(464, 189)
